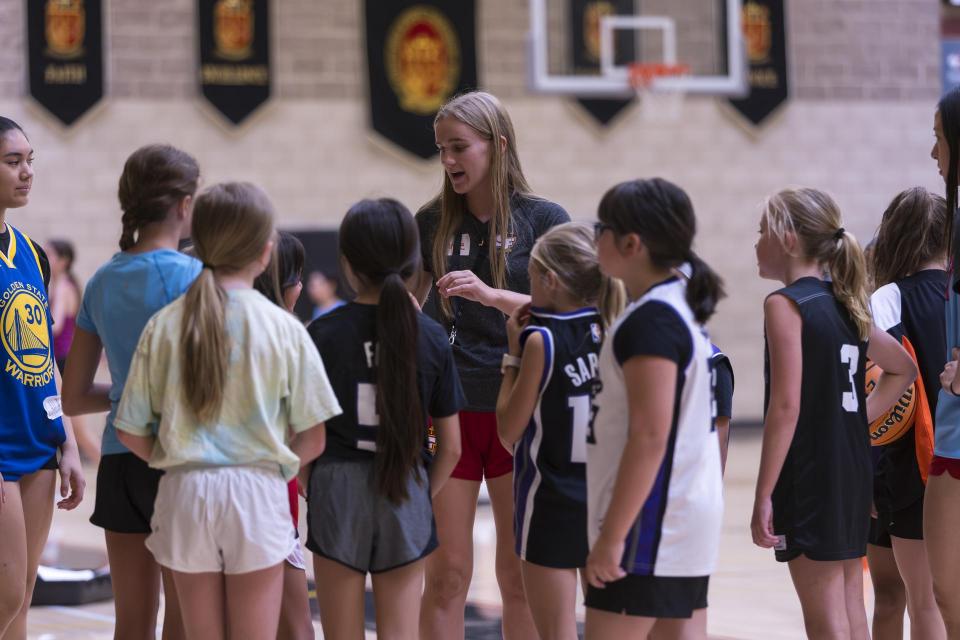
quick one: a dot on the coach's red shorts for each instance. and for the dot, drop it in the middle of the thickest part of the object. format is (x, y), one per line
(939, 464)
(294, 498)
(483, 455)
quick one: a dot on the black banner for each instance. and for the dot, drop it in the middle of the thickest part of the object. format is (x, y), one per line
(65, 50)
(765, 40)
(585, 35)
(234, 37)
(420, 53)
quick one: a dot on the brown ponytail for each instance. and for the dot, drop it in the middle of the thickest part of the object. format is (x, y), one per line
(232, 224)
(155, 178)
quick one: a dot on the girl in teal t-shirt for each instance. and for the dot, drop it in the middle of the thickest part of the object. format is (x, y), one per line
(156, 195)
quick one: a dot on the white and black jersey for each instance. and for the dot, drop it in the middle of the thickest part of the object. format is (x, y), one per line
(677, 533)
(549, 461)
(821, 502)
(911, 310)
(347, 340)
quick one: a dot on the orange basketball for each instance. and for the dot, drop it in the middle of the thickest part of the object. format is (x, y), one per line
(892, 425)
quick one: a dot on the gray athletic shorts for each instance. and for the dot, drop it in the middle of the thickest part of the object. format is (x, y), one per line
(349, 522)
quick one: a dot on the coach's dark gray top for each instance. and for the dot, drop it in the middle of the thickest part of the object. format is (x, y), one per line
(480, 332)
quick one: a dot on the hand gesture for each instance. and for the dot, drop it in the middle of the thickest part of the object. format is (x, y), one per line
(516, 324)
(949, 374)
(465, 284)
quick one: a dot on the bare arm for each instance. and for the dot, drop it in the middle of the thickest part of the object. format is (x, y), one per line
(784, 328)
(467, 285)
(72, 481)
(899, 371)
(80, 393)
(651, 386)
(309, 444)
(723, 433)
(519, 389)
(141, 446)
(448, 451)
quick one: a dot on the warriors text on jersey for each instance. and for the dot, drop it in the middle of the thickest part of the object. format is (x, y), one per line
(31, 428)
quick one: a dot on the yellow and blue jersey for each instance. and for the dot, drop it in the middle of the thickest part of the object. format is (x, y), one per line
(31, 428)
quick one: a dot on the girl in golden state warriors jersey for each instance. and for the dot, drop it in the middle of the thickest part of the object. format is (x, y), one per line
(31, 429)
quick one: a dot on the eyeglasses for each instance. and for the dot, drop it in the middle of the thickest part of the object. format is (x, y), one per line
(599, 228)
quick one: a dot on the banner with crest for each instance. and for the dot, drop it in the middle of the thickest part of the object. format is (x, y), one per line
(234, 37)
(65, 56)
(420, 53)
(765, 41)
(585, 18)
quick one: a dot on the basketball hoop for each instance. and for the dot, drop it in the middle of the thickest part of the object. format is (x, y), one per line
(658, 102)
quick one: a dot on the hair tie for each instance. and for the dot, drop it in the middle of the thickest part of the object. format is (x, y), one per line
(839, 234)
(207, 265)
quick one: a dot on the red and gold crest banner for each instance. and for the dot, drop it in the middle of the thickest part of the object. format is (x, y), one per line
(765, 43)
(65, 52)
(419, 55)
(234, 37)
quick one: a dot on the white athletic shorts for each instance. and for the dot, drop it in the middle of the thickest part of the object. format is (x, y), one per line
(221, 519)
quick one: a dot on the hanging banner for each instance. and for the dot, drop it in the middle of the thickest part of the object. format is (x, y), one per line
(419, 55)
(65, 55)
(234, 37)
(765, 39)
(585, 35)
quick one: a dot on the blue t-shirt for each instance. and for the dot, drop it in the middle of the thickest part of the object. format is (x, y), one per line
(947, 422)
(119, 300)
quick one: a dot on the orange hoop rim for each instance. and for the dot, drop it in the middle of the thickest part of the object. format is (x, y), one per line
(642, 74)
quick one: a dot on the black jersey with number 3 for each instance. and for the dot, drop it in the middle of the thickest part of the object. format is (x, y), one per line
(821, 502)
(549, 468)
(347, 340)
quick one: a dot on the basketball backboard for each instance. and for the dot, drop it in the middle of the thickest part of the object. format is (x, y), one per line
(584, 47)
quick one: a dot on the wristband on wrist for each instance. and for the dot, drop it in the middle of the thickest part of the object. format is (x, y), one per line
(509, 361)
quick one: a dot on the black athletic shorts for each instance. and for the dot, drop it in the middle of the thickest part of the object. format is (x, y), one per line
(879, 536)
(651, 596)
(904, 523)
(126, 490)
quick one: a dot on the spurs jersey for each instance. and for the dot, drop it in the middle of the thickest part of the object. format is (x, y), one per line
(911, 310)
(821, 502)
(347, 340)
(677, 532)
(549, 462)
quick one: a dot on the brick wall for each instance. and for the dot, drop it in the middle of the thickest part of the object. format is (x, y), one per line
(312, 150)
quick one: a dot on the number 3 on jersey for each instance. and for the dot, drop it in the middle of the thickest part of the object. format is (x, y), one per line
(850, 356)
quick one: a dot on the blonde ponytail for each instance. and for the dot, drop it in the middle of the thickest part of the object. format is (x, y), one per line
(814, 218)
(205, 346)
(569, 251)
(232, 224)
